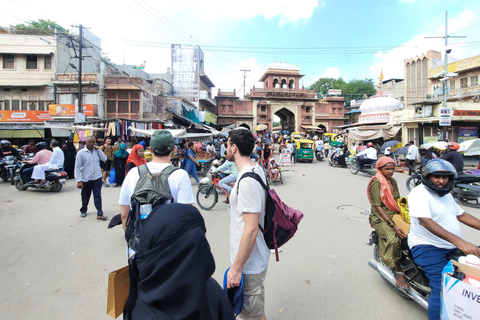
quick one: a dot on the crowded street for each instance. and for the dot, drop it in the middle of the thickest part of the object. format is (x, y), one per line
(55, 264)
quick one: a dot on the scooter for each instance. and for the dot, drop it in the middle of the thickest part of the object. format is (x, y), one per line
(368, 168)
(466, 189)
(418, 283)
(55, 178)
(319, 155)
(8, 165)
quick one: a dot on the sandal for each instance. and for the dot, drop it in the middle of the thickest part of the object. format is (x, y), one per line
(102, 217)
(404, 282)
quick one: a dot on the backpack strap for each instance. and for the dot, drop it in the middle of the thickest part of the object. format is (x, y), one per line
(254, 176)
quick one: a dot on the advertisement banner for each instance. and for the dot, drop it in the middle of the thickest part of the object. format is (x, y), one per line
(68, 109)
(24, 116)
(445, 117)
(210, 117)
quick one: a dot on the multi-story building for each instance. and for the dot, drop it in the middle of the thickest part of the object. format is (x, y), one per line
(420, 119)
(299, 109)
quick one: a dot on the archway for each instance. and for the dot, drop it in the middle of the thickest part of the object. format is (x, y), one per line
(291, 84)
(287, 119)
(284, 84)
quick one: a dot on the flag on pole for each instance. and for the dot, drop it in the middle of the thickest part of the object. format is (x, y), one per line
(365, 95)
(142, 66)
(381, 76)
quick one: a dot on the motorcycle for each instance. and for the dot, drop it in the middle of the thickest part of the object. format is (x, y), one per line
(368, 168)
(8, 165)
(319, 155)
(418, 283)
(55, 178)
(466, 189)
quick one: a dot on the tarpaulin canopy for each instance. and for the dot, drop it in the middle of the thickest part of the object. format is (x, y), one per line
(73, 128)
(177, 133)
(373, 132)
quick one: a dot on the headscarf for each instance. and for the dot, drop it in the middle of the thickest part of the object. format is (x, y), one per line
(122, 151)
(133, 157)
(174, 266)
(385, 192)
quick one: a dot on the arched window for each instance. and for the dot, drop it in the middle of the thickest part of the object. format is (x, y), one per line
(266, 84)
(284, 83)
(275, 83)
(291, 84)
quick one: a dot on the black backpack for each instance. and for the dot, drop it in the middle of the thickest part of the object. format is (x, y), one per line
(150, 190)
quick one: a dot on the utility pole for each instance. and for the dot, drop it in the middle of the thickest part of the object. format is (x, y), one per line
(445, 78)
(244, 76)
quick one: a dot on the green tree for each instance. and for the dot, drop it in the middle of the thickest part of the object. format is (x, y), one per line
(352, 90)
(41, 26)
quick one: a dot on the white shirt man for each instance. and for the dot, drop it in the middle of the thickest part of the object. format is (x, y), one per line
(249, 253)
(56, 161)
(412, 155)
(370, 153)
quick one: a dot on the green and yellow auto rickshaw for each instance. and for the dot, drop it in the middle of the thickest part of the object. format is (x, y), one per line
(304, 151)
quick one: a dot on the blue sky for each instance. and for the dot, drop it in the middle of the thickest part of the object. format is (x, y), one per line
(347, 38)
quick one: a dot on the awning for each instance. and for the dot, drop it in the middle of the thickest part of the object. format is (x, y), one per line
(21, 133)
(353, 111)
(177, 133)
(373, 132)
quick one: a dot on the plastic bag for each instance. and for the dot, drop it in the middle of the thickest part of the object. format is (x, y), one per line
(111, 177)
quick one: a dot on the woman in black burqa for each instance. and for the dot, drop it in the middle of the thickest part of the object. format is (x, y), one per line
(70, 153)
(174, 266)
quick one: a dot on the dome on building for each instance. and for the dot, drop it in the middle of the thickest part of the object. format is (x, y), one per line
(380, 104)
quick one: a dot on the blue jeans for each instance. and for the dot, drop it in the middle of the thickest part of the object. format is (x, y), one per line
(432, 260)
(225, 181)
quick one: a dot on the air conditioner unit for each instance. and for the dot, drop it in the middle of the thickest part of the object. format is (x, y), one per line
(423, 111)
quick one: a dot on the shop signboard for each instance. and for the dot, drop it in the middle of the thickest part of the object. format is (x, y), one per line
(335, 92)
(445, 117)
(210, 117)
(187, 64)
(24, 116)
(69, 109)
(286, 157)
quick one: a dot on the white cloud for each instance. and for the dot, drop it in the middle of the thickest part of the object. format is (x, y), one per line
(331, 72)
(458, 23)
(286, 10)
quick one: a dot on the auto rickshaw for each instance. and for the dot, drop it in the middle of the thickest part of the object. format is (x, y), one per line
(331, 138)
(296, 136)
(304, 150)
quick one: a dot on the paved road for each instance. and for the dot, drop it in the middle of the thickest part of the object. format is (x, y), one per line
(55, 265)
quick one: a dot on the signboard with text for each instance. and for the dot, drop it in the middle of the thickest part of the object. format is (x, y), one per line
(69, 109)
(445, 118)
(335, 92)
(24, 116)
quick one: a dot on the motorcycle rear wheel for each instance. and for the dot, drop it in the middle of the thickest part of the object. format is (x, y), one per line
(377, 257)
(12, 175)
(58, 187)
(207, 197)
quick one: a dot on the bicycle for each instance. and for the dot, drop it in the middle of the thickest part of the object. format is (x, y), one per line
(207, 194)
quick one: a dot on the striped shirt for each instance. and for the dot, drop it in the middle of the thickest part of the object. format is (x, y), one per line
(87, 165)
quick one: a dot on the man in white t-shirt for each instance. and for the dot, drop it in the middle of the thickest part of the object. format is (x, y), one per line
(249, 253)
(435, 229)
(411, 157)
(162, 145)
(368, 155)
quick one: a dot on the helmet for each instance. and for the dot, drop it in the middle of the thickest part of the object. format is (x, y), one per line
(369, 144)
(5, 143)
(453, 146)
(55, 143)
(42, 145)
(440, 167)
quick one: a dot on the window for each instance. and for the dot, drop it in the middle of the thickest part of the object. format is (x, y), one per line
(32, 105)
(473, 81)
(464, 82)
(31, 61)
(90, 98)
(8, 61)
(48, 62)
(111, 106)
(6, 105)
(64, 98)
(135, 106)
(41, 105)
(15, 105)
(307, 109)
(24, 105)
(452, 84)
(263, 108)
(122, 106)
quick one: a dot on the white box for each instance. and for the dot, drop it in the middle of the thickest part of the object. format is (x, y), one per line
(460, 300)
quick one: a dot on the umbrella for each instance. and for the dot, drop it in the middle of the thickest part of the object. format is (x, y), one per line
(442, 145)
(470, 147)
(261, 127)
(403, 150)
(388, 144)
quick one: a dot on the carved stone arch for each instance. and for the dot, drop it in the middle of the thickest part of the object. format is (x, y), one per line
(291, 83)
(275, 83)
(283, 83)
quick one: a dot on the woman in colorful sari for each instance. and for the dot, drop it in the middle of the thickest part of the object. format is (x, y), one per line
(191, 163)
(136, 157)
(382, 194)
(119, 164)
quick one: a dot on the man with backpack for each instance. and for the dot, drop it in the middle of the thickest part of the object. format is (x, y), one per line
(162, 145)
(249, 253)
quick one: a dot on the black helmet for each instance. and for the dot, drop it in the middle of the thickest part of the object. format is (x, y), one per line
(5, 143)
(55, 143)
(440, 167)
(42, 145)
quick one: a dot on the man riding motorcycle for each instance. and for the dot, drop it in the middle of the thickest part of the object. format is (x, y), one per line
(454, 157)
(42, 157)
(435, 228)
(368, 155)
(7, 149)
